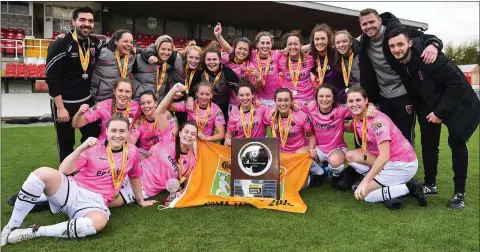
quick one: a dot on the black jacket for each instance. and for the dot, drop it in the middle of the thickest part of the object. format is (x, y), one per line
(368, 77)
(64, 71)
(442, 87)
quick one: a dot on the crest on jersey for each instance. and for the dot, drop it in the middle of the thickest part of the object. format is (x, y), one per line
(92, 51)
(409, 109)
(377, 125)
(420, 76)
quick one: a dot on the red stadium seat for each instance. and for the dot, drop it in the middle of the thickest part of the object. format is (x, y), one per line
(10, 47)
(10, 74)
(20, 36)
(20, 31)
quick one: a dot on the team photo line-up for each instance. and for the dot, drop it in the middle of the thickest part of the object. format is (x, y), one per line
(142, 111)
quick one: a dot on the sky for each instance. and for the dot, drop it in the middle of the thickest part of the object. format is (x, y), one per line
(450, 21)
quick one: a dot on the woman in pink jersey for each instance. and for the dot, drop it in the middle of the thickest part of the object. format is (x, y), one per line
(208, 116)
(386, 158)
(145, 129)
(236, 57)
(296, 68)
(120, 103)
(174, 158)
(291, 126)
(246, 120)
(85, 196)
(328, 119)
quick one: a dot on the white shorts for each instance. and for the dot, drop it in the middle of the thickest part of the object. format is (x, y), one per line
(324, 157)
(76, 201)
(395, 173)
(126, 192)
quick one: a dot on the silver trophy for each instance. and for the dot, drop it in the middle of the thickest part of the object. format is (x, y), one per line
(172, 186)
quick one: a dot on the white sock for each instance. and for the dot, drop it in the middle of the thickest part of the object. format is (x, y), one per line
(360, 168)
(316, 169)
(386, 193)
(31, 190)
(42, 198)
(75, 228)
(336, 171)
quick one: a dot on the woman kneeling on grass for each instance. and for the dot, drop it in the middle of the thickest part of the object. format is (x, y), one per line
(386, 158)
(246, 119)
(291, 126)
(120, 103)
(85, 196)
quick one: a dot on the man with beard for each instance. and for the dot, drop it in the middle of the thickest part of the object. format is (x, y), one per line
(380, 77)
(70, 63)
(442, 92)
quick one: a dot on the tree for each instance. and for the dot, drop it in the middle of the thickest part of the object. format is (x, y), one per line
(466, 53)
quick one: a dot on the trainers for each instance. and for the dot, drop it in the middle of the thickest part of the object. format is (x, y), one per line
(5, 233)
(18, 235)
(457, 202)
(430, 190)
(415, 188)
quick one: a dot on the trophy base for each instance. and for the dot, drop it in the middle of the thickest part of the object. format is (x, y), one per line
(251, 188)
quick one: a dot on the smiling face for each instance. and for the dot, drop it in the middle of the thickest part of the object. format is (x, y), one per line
(325, 99)
(293, 46)
(245, 96)
(241, 51)
(283, 101)
(212, 61)
(148, 105)
(125, 44)
(399, 46)
(165, 51)
(370, 25)
(343, 44)
(193, 58)
(356, 103)
(320, 40)
(117, 133)
(123, 94)
(204, 95)
(188, 135)
(83, 24)
(264, 45)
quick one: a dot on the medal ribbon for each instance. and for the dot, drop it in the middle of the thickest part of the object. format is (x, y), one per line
(207, 77)
(188, 81)
(364, 131)
(84, 57)
(346, 74)
(123, 70)
(201, 123)
(182, 177)
(321, 70)
(267, 67)
(295, 77)
(247, 129)
(283, 132)
(127, 110)
(162, 77)
(117, 180)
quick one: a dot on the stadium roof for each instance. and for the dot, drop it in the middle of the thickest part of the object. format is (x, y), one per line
(349, 12)
(260, 15)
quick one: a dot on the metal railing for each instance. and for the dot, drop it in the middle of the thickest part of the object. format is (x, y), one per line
(16, 47)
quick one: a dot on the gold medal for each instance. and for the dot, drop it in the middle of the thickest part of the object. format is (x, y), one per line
(162, 77)
(295, 76)
(117, 180)
(201, 123)
(346, 73)
(321, 70)
(188, 81)
(181, 177)
(123, 69)
(294, 92)
(84, 57)
(282, 131)
(247, 129)
(267, 67)
(364, 131)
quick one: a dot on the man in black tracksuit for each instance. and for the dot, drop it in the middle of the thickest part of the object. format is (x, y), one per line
(443, 94)
(69, 82)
